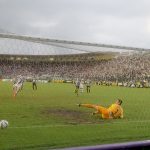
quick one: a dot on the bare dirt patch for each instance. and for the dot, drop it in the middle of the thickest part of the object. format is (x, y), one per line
(72, 116)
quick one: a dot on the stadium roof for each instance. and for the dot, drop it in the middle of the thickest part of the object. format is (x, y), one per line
(13, 44)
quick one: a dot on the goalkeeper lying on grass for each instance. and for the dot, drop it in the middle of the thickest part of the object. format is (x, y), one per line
(113, 112)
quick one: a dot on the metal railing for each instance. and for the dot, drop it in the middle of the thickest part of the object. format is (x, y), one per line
(117, 146)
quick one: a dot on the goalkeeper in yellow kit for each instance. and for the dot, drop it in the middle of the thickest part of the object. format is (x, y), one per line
(113, 112)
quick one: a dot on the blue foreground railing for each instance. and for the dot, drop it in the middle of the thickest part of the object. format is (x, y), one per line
(138, 145)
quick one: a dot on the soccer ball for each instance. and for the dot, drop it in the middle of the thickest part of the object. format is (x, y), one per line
(3, 124)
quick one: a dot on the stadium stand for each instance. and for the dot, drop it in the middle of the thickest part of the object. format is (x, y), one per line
(115, 69)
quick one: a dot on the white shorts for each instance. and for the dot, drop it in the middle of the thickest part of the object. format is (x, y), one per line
(81, 86)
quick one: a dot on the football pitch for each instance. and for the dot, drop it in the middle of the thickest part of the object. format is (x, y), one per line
(49, 117)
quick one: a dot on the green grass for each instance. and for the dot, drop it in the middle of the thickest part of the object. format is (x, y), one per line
(49, 118)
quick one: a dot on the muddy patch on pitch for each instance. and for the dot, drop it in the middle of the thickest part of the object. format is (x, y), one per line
(71, 116)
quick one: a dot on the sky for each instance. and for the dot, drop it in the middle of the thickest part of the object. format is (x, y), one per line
(116, 22)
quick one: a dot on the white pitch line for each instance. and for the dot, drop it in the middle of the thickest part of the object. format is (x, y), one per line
(63, 125)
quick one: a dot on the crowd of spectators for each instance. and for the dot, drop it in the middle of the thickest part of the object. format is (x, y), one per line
(133, 67)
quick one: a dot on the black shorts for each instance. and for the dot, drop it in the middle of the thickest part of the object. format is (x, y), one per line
(77, 87)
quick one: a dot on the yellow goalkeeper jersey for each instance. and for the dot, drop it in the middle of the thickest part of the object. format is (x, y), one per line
(116, 110)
